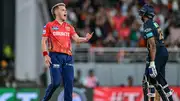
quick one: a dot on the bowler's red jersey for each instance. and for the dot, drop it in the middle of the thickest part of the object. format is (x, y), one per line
(59, 36)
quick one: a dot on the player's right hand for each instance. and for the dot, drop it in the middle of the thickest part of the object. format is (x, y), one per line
(89, 36)
(152, 70)
(47, 60)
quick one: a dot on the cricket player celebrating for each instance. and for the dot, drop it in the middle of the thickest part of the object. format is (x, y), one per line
(157, 56)
(57, 36)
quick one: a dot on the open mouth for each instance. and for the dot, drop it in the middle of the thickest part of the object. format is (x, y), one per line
(65, 15)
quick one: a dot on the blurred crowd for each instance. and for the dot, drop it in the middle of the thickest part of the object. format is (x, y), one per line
(89, 81)
(116, 23)
(7, 65)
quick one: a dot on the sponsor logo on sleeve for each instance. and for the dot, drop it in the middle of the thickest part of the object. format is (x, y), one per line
(67, 28)
(55, 28)
(44, 31)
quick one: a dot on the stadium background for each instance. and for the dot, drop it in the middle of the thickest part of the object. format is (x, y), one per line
(115, 56)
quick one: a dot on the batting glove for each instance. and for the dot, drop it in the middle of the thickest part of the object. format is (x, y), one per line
(152, 69)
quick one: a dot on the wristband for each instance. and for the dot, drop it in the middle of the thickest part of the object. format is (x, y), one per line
(45, 53)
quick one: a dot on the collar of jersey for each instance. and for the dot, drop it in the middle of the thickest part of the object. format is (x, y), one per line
(59, 23)
(148, 21)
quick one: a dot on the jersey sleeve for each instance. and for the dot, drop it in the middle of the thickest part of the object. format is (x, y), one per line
(72, 31)
(46, 31)
(155, 24)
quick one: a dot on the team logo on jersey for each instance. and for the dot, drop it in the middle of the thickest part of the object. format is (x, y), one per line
(55, 28)
(147, 30)
(67, 28)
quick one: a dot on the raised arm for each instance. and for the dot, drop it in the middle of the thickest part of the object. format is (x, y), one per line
(78, 39)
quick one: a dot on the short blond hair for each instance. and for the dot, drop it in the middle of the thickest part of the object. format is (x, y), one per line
(55, 6)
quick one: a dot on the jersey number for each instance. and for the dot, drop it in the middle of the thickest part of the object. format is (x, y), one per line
(161, 37)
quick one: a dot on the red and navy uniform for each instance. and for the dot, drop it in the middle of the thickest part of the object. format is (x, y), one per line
(60, 52)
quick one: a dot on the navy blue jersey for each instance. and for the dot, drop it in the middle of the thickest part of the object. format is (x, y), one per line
(152, 29)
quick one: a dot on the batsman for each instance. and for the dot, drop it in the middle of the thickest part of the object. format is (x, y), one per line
(154, 76)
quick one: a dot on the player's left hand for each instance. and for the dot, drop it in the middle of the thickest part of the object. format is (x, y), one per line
(89, 36)
(152, 70)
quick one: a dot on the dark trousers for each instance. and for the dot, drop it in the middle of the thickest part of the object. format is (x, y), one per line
(159, 81)
(61, 69)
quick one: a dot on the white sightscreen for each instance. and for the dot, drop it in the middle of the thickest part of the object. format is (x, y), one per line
(29, 24)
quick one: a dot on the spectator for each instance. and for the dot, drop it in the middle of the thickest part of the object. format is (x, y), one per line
(7, 65)
(3, 72)
(91, 80)
(78, 80)
(123, 34)
(174, 37)
(120, 56)
(117, 20)
(117, 23)
(134, 35)
(130, 81)
(109, 41)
